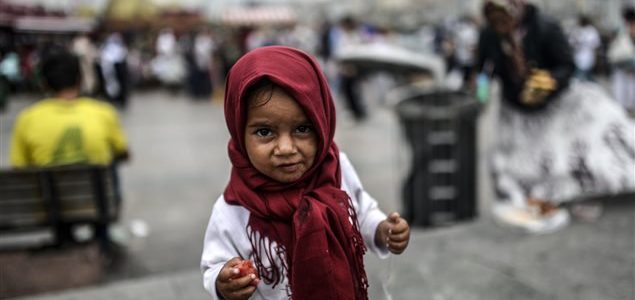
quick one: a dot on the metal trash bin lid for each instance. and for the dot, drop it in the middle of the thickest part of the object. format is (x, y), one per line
(435, 104)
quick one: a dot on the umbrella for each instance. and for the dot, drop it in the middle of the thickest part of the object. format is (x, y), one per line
(391, 58)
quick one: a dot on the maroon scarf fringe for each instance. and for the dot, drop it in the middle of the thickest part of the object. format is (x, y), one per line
(274, 274)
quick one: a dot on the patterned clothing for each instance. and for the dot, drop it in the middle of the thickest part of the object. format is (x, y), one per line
(583, 144)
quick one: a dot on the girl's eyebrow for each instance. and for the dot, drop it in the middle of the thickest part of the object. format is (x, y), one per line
(259, 123)
(269, 122)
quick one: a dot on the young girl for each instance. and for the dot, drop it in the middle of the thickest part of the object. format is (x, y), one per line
(294, 204)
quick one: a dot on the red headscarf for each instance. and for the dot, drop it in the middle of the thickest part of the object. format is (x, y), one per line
(309, 220)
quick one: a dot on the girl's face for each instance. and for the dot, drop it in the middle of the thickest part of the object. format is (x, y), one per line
(279, 138)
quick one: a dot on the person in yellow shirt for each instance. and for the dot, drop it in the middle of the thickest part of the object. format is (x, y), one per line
(66, 128)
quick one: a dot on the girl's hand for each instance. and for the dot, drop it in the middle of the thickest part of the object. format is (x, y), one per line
(231, 287)
(393, 233)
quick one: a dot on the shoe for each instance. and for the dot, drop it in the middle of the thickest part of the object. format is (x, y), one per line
(527, 219)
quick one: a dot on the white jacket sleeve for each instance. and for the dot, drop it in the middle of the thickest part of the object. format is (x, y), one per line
(368, 213)
(223, 242)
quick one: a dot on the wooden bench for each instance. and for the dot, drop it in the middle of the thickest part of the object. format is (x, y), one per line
(58, 198)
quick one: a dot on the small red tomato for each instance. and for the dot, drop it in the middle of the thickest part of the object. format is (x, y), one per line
(245, 268)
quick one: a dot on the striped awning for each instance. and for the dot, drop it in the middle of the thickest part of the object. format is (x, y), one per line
(245, 16)
(53, 24)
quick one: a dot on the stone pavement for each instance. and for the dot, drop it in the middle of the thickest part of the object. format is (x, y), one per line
(473, 261)
(179, 166)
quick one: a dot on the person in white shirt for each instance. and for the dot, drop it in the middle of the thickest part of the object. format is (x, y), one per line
(348, 34)
(621, 55)
(114, 69)
(201, 65)
(584, 40)
(294, 204)
(465, 38)
(168, 65)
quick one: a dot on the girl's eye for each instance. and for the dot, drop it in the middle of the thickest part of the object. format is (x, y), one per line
(262, 132)
(304, 129)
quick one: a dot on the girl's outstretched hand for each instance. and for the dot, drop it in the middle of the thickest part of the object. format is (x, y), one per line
(393, 233)
(232, 285)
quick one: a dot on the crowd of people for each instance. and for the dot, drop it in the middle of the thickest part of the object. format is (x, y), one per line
(113, 63)
(197, 60)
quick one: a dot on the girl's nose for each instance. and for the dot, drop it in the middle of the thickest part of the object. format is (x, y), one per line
(285, 145)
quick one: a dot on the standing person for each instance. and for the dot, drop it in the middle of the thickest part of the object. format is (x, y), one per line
(202, 58)
(9, 74)
(443, 43)
(294, 203)
(324, 50)
(168, 65)
(66, 128)
(465, 37)
(558, 140)
(621, 55)
(347, 34)
(585, 41)
(114, 68)
(84, 49)
(302, 37)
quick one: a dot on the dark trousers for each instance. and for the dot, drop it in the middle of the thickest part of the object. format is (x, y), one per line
(349, 85)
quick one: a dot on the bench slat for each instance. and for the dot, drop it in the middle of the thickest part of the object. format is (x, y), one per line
(24, 195)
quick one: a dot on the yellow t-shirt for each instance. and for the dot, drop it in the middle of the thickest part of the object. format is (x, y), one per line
(58, 132)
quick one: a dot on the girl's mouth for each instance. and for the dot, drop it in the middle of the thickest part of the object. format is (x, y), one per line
(289, 168)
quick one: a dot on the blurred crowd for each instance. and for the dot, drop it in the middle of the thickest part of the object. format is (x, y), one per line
(197, 60)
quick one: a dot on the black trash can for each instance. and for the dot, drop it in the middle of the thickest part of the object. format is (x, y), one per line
(440, 127)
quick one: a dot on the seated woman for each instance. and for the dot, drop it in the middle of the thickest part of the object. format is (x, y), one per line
(558, 140)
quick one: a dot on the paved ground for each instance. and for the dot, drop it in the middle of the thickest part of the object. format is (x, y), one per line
(180, 166)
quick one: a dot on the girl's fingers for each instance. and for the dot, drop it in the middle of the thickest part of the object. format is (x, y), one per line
(228, 271)
(393, 217)
(400, 226)
(227, 274)
(397, 247)
(231, 286)
(237, 284)
(399, 237)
